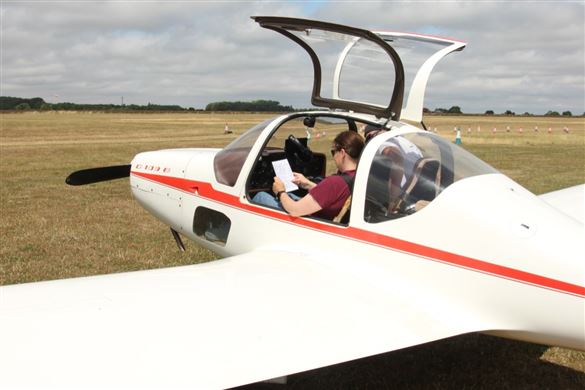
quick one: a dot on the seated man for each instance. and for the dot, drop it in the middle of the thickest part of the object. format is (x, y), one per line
(402, 154)
(325, 199)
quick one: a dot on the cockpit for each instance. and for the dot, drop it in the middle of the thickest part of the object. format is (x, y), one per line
(360, 77)
(408, 170)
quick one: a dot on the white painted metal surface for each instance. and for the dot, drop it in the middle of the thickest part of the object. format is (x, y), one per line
(218, 325)
(570, 201)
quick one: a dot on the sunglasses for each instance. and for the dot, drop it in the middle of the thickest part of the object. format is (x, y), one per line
(333, 151)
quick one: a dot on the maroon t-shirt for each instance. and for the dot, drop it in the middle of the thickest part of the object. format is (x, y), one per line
(331, 193)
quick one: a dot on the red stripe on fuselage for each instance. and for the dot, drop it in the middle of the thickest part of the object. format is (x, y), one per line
(205, 190)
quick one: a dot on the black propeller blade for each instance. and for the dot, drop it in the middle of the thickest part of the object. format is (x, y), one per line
(95, 175)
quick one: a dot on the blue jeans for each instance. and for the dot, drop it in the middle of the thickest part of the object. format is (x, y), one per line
(267, 199)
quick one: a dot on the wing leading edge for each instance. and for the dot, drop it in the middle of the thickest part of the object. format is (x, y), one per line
(230, 322)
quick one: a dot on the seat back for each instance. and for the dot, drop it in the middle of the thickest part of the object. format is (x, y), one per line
(424, 184)
(343, 216)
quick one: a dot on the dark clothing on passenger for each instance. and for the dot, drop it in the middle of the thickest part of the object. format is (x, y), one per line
(331, 194)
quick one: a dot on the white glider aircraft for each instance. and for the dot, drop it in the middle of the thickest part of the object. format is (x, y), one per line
(468, 250)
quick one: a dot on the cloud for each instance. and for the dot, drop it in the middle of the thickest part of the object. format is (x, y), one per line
(523, 56)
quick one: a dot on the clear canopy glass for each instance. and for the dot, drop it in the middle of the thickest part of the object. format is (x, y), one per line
(409, 171)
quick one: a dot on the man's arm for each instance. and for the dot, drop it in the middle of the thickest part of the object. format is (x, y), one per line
(300, 180)
(305, 206)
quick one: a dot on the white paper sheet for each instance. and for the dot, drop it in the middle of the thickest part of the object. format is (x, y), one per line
(284, 172)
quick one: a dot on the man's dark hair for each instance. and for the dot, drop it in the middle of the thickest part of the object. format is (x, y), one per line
(371, 131)
(351, 142)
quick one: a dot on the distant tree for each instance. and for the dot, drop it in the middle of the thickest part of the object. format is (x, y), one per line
(489, 112)
(11, 103)
(65, 106)
(255, 105)
(36, 103)
(441, 110)
(527, 114)
(567, 113)
(426, 110)
(8, 103)
(455, 110)
(552, 113)
(23, 106)
(508, 112)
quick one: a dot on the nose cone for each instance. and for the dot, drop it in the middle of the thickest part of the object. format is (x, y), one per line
(161, 180)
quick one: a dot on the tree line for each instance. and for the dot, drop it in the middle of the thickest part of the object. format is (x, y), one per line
(457, 110)
(548, 113)
(255, 105)
(14, 103)
(39, 104)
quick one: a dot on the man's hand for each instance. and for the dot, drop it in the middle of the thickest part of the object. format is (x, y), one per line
(300, 180)
(278, 185)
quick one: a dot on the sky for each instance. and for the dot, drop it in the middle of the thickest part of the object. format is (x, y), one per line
(523, 56)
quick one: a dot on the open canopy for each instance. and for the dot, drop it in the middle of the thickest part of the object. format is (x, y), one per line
(363, 71)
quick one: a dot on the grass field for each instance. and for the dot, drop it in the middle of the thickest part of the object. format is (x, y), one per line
(49, 230)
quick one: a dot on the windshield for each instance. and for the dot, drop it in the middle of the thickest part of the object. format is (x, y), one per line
(409, 171)
(228, 162)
